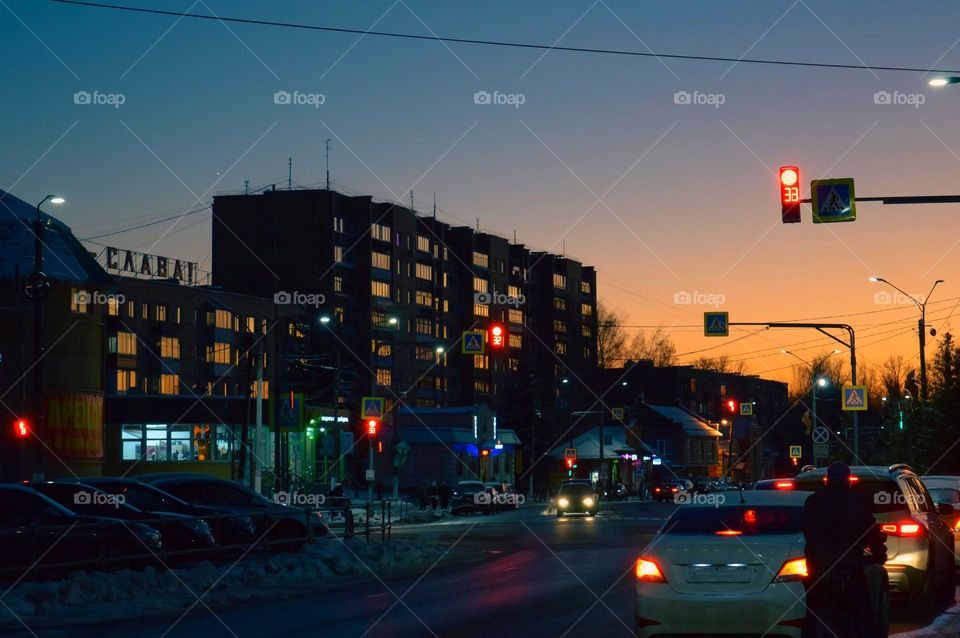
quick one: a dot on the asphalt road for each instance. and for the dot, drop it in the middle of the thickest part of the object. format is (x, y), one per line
(515, 574)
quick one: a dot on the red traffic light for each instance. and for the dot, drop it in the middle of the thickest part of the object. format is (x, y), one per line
(569, 464)
(790, 194)
(372, 427)
(497, 335)
(732, 405)
(21, 429)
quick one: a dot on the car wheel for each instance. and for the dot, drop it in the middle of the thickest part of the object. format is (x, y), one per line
(925, 598)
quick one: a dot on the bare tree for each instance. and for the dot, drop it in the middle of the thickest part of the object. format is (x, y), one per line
(721, 363)
(658, 347)
(611, 338)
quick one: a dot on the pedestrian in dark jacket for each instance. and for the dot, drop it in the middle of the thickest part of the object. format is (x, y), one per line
(444, 495)
(838, 524)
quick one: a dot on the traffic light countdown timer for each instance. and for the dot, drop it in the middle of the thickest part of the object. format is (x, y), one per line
(790, 194)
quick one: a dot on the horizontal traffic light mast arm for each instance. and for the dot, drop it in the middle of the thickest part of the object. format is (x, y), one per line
(904, 199)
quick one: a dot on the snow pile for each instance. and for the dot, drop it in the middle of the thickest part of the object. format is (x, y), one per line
(100, 596)
(423, 516)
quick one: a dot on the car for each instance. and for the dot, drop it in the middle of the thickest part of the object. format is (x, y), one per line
(920, 546)
(505, 497)
(576, 498)
(668, 490)
(229, 529)
(775, 484)
(616, 492)
(469, 496)
(37, 529)
(734, 566)
(179, 532)
(286, 527)
(946, 489)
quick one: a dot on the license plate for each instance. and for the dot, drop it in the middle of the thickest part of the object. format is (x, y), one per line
(720, 574)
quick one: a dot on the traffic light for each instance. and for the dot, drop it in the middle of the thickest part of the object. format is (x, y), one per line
(790, 194)
(497, 336)
(21, 429)
(569, 464)
(372, 425)
(732, 405)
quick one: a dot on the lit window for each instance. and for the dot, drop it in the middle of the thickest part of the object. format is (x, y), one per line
(481, 310)
(559, 281)
(481, 259)
(513, 291)
(480, 285)
(559, 303)
(338, 254)
(144, 311)
(218, 353)
(126, 380)
(380, 260)
(383, 376)
(169, 347)
(337, 283)
(380, 289)
(169, 384)
(423, 243)
(559, 326)
(586, 310)
(516, 341)
(424, 299)
(515, 316)
(480, 362)
(380, 232)
(560, 348)
(338, 224)
(113, 306)
(161, 312)
(126, 343)
(585, 287)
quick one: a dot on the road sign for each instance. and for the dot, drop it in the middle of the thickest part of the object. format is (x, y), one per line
(570, 453)
(795, 452)
(821, 450)
(855, 398)
(371, 408)
(716, 324)
(617, 413)
(820, 435)
(471, 342)
(746, 409)
(286, 411)
(833, 200)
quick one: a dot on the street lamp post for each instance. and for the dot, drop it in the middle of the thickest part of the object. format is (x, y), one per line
(815, 381)
(38, 286)
(921, 327)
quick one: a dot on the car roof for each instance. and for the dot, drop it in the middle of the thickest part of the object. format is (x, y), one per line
(19, 487)
(175, 476)
(754, 497)
(881, 472)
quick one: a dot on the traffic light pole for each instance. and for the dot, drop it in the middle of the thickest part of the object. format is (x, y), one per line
(852, 345)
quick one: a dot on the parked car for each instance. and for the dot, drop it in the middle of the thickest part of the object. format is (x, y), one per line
(178, 531)
(616, 492)
(668, 490)
(228, 528)
(284, 526)
(504, 496)
(946, 489)
(920, 560)
(35, 528)
(471, 496)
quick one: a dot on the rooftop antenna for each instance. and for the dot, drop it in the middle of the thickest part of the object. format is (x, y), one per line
(478, 224)
(434, 205)
(328, 162)
(246, 187)
(563, 247)
(411, 200)
(514, 235)
(289, 173)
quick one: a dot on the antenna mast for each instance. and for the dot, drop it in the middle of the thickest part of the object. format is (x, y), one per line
(328, 162)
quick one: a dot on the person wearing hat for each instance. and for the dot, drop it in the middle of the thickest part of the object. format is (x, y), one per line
(838, 524)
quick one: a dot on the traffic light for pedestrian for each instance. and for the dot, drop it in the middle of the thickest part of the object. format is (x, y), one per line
(21, 429)
(732, 405)
(497, 335)
(372, 425)
(790, 194)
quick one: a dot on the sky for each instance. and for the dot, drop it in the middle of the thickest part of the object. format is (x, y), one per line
(134, 118)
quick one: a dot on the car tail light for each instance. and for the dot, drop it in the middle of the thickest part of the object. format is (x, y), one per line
(853, 479)
(792, 570)
(956, 526)
(673, 489)
(728, 532)
(901, 529)
(648, 571)
(656, 489)
(784, 485)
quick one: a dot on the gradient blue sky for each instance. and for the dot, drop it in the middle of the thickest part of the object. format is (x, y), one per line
(698, 212)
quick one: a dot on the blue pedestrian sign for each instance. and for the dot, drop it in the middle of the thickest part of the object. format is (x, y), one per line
(854, 398)
(833, 200)
(716, 324)
(471, 342)
(371, 408)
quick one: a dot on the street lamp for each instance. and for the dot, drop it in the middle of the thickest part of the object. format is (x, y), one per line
(37, 287)
(921, 326)
(943, 81)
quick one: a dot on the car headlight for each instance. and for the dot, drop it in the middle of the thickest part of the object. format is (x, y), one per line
(588, 501)
(562, 502)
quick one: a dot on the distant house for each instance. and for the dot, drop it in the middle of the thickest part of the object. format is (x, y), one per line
(686, 443)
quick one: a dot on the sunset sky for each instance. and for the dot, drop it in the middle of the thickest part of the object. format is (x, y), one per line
(688, 198)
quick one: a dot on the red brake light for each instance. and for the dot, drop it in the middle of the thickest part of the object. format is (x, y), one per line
(728, 532)
(956, 526)
(648, 571)
(784, 485)
(750, 517)
(901, 529)
(794, 569)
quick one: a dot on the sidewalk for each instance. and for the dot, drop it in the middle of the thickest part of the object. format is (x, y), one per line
(946, 625)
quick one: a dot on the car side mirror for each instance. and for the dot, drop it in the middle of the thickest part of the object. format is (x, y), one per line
(945, 509)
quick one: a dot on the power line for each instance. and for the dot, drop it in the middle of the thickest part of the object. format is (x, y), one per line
(501, 43)
(153, 223)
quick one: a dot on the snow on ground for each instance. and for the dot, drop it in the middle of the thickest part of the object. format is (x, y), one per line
(98, 596)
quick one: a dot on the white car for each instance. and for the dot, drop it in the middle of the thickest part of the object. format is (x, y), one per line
(733, 565)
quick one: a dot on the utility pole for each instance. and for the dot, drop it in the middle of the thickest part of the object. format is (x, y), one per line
(289, 173)
(327, 150)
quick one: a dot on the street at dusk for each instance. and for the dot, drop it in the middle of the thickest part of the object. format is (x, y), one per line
(417, 318)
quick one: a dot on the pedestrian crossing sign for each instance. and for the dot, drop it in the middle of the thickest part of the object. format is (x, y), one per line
(746, 409)
(371, 408)
(617, 414)
(833, 200)
(716, 324)
(854, 398)
(471, 342)
(796, 451)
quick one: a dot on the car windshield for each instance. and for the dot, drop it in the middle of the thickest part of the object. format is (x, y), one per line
(944, 495)
(575, 489)
(748, 520)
